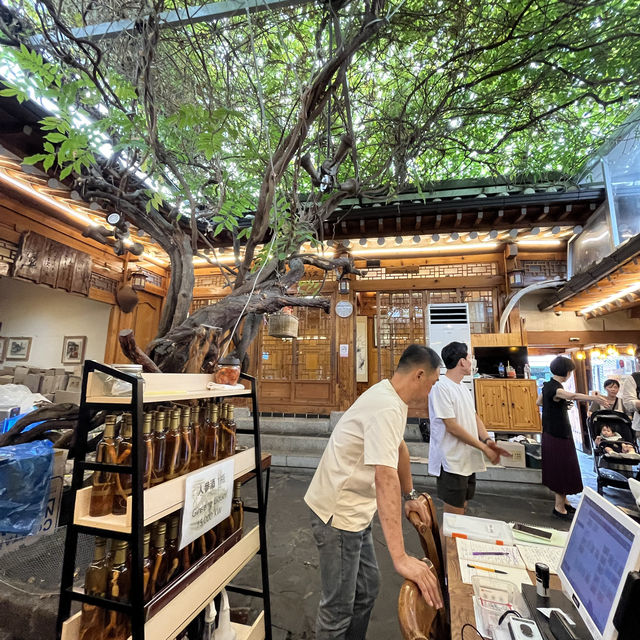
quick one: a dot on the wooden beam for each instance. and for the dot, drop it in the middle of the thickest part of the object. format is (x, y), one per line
(562, 338)
(420, 284)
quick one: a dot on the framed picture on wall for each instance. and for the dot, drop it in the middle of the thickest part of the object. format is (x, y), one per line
(18, 348)
(73, 348)
(3, 349)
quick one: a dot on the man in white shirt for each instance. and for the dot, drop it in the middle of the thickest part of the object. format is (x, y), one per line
(631, 397)
(459, 440)
(366, 466)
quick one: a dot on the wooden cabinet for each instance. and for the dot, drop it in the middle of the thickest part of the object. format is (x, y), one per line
(508, 405)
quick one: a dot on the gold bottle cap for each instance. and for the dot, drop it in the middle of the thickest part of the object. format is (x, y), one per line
(119, 548)
(161, 418)
(174, 523)
(174, 424)
(186, 416)
(109, 426)
(159, 535)
(148, 419)
(215, 410)
(229, 412)
(147, 543)
(196, 414)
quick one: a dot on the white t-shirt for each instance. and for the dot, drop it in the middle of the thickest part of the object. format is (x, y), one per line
(368, 434)
(449, 399)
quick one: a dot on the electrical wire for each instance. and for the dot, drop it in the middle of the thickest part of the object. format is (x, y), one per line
(468, 624)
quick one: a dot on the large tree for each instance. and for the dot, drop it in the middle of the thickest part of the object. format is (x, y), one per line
(282, 113)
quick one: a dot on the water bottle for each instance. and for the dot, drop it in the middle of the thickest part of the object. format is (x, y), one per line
(501, 370)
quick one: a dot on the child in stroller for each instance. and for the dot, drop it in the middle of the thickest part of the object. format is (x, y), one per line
(614, 450)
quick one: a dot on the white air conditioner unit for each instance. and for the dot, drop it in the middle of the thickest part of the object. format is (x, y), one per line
(449, 323)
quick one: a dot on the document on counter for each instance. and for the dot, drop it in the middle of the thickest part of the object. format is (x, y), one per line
(502, 562)
(558, 538)
(481, 529)
(532, 553)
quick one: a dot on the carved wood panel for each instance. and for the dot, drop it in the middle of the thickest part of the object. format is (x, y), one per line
(45, 261)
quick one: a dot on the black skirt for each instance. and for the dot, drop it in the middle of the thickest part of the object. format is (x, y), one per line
(560, 468)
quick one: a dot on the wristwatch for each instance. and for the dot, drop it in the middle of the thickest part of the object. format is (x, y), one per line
(412, 495)
(485, 440)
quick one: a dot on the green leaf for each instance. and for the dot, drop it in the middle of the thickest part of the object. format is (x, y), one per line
(38, 157)
(56, 137)
(66, 172)
(48, 163)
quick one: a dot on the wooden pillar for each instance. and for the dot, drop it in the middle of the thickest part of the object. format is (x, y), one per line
(345, 370)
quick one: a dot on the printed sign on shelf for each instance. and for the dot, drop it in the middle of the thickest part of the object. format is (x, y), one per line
(344, 350)
(207, 500)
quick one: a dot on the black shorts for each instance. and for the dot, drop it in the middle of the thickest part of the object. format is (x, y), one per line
(454, 489)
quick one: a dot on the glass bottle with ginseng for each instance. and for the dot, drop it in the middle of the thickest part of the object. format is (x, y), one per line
(229, 433)
(211, 434)
(119, 588)
(103, 482)
(197, 440)
(171, 549)
(92, 621)
(159, 562)
(185, 444)
(173, 444)
(159, 449)
(123, 480)
(147, 443)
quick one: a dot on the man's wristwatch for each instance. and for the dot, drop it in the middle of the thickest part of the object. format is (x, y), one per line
(412, 495)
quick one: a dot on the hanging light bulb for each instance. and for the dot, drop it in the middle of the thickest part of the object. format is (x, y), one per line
(596, 353)
(581, 355)
(630, 350)
(611, 350)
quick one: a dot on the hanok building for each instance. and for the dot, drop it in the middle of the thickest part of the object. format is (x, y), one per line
(552, 267)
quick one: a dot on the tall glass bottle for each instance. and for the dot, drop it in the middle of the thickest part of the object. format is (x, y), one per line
(160, 566)
(171, 549)
(185, 444)
(147, 443)
(123, 480)
(222, 433)
(147, 566)
(237, 507)
(230, 433)
(93, 618)
(118, 624)
(197, 443)
(211, 434)
(159, 450)
(103, 482)
(172, 456)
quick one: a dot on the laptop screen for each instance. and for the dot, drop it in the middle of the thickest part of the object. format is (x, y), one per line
(595, 558)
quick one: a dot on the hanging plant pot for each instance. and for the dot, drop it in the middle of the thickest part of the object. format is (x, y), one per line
(283, 325)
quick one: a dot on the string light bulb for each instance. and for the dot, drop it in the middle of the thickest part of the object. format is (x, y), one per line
(596, 353)
(581, 355)
(611, 350)
(630, 350)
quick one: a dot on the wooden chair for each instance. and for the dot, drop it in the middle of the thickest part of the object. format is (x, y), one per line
(418, 620)
(429, 535)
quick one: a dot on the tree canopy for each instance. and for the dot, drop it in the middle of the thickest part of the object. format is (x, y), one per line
(283, 112)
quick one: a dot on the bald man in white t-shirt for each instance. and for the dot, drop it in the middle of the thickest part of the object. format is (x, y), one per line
(366, 467)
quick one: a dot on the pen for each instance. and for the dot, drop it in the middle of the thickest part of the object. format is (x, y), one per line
(475, 566)
(490, 553)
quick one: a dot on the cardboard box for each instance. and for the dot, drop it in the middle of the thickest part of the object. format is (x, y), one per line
(74, 383)
(32, 381)
(67, 396)
(19, 374)
(517, 451)
(10, 541)
(47, 385)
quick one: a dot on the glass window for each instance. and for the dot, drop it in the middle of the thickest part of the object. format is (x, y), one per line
(594, 243)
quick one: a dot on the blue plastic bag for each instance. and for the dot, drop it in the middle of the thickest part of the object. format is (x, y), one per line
(25, 478)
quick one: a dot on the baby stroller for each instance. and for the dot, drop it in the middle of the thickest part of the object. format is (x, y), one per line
(612, 470)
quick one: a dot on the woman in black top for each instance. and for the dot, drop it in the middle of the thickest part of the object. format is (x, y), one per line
(560, 468)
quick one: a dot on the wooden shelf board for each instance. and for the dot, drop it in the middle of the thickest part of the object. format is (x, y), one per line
(172, 619)
(159, 501)
(161, 387)
(253, 632)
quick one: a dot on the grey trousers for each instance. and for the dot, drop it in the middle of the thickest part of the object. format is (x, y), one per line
(350, 581)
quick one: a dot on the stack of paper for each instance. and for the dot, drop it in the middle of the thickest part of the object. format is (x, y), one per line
(480, 529)
(499, 561)
(532, 553)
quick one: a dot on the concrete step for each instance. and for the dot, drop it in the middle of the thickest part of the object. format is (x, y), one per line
(309, 427)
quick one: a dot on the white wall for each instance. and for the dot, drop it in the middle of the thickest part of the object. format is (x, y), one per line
(537, 320)
(47, 315)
